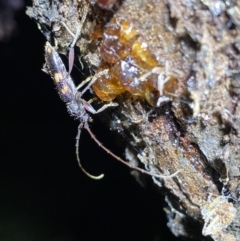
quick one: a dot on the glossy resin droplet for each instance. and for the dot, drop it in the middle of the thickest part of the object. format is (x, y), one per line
(132, 66)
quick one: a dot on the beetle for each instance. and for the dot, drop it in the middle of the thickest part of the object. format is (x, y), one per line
(76, 105)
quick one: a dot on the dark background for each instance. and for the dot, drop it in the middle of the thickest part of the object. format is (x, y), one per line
(43, 193)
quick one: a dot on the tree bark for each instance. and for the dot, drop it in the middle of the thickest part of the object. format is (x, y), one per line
(182, 111)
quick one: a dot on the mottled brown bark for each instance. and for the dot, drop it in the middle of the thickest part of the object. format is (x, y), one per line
(194, 127)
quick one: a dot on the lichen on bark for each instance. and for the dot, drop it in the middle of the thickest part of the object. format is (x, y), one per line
(196, 45)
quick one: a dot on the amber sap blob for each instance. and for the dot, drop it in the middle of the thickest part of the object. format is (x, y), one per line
(131, 66)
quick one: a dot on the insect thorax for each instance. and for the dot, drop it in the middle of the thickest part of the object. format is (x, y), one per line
(77, 109)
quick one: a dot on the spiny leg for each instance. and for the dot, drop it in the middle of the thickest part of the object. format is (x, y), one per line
(86, 126)
(94, 78)
(90, 108)
(91, 100)
(78, 158)
(84, 82)
(105, 107)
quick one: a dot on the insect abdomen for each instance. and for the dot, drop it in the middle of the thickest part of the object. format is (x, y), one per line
(64, 83)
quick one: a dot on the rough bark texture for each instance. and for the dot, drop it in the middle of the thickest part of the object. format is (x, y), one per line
(192, 125)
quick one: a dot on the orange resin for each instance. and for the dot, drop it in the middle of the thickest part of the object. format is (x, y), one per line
(132, 67)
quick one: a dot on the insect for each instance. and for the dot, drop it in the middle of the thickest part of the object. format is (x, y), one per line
(69, 94)
(77, 106)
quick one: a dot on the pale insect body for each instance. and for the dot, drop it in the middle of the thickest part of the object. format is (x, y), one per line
(64, 84)
(67, 91)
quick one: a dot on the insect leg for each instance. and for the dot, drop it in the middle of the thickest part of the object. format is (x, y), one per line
(94, 78)
(84, 82)
(89, 107)
(78, 158)
(91, 100)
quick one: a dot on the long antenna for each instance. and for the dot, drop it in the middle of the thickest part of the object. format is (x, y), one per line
(86, 126)
(78, 158)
